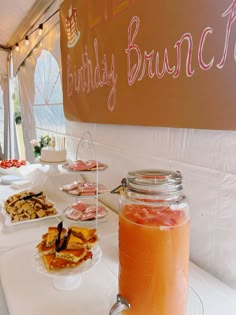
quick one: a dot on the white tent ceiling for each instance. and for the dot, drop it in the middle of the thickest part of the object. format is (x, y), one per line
(17, 19)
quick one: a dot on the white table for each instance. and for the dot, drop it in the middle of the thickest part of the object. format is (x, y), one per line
(27, 292)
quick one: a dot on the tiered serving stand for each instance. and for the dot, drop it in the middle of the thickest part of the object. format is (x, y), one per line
(70, 279)
(86, 151)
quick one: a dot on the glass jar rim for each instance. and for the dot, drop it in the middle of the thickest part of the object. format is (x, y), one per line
(154, 181)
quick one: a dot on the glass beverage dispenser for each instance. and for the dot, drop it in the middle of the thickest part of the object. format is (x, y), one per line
(154, 233)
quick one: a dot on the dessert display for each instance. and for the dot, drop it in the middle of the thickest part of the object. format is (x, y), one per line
(84, 189)
(50, 149)
(62, 248)
(54, 152)
(53, 155)
(28, 205)
(82, 166)
(81, 211)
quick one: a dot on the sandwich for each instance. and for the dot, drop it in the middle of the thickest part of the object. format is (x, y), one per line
(91, 242)
(52, 235)
(83, 233)
(47, 260)
(45, 250)
(75, 242)
(73, 255)
(52, 262)
(56, 263)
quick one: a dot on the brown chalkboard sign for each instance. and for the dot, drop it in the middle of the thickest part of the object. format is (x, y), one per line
(153, 63)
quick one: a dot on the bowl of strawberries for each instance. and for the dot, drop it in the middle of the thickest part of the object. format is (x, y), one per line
(12, 166)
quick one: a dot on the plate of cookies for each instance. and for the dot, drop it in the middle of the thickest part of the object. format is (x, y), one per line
(27, 206)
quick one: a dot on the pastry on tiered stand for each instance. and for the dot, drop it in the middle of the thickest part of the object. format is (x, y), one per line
(64, 254)
(61, 248)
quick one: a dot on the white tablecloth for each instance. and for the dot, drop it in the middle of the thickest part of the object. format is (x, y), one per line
(26, 292)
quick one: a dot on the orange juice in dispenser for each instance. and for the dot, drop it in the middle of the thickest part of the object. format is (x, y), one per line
(154, 233)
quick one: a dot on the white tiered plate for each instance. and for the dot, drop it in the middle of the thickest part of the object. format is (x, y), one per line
(82, 221)
(66, 167)
(85, 196)
(68, 278)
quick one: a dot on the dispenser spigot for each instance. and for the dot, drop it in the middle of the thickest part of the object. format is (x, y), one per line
(120, 305)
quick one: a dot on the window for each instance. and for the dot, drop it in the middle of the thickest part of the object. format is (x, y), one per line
(48, 107)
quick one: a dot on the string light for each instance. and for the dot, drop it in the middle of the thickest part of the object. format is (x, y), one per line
(27, 40)
(40, 29)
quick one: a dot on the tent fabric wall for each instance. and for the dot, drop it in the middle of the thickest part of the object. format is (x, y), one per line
(206, 159)
(27, 88)
(51, 16)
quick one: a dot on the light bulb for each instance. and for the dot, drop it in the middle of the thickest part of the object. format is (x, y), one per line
(27, 40)
(40, 29)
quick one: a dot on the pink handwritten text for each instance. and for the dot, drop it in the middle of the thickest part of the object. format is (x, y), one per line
(88, 77)
(141, 64)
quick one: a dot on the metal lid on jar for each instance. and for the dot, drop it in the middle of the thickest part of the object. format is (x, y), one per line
(154, 181)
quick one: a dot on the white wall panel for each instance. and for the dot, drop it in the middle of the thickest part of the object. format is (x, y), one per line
(206, 159)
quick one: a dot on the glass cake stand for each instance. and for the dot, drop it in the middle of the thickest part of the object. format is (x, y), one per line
(53, 169)
(68, 278)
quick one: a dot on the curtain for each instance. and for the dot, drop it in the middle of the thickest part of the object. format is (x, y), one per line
(4, 118)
